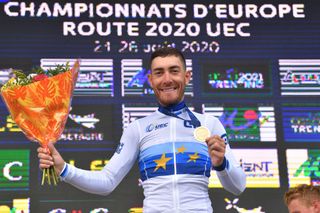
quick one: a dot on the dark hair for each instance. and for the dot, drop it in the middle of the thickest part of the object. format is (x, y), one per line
(168, 51)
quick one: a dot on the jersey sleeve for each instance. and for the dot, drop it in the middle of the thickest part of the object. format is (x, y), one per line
(105, 181)
(231, 176)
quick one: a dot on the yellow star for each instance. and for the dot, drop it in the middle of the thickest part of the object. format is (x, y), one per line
(181, 149)
(162, 162)
(193, 157)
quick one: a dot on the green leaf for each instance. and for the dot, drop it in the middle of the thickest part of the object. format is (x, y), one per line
(19, 74)
(38, 70)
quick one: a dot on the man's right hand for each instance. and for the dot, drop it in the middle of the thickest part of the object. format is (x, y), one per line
(53, 159)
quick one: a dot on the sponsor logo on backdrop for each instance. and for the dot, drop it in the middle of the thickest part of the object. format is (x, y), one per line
(15, 167)
(259, 165)
(299, 77)
(301, 123)
(232, 78)
(131, 112)
(95, 165)
(257, 169)
(140, 80)
(95, 77)
(134, 77)
(62, 210)
(135, 210)
(233, 205)
(251, 123)
(87, 121)
(222, 77)
(79, 134)
(21, 205)
(303, 166)
(5, 74)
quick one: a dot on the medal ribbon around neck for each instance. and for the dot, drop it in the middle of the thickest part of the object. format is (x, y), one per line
(168, 111)
(200, 133)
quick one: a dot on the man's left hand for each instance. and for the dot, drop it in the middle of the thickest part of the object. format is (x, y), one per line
(216, 149)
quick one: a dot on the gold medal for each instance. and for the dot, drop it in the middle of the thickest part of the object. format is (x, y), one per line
(201, 133)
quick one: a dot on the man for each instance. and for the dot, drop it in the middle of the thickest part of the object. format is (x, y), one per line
(303, 199)
(176, 149)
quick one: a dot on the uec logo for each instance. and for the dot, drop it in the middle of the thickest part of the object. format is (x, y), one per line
(152, 127)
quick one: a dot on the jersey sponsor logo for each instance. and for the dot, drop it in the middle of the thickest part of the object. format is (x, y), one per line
(189, 124)
(152, 127)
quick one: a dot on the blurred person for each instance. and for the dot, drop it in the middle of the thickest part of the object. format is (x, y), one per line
(303, 199)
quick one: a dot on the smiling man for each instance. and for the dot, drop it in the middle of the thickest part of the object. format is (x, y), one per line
(176, 149)
(168, 77)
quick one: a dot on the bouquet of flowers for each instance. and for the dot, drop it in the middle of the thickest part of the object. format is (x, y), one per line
(39, 104)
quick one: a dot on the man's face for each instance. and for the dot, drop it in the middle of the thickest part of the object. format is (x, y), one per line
(297, 206)
(168, 79)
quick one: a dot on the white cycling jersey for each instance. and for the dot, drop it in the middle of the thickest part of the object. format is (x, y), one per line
(174, 167)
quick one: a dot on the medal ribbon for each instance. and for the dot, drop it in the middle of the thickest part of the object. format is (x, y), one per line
(170, 109)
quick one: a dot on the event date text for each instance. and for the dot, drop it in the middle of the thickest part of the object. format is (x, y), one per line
(131, 46)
